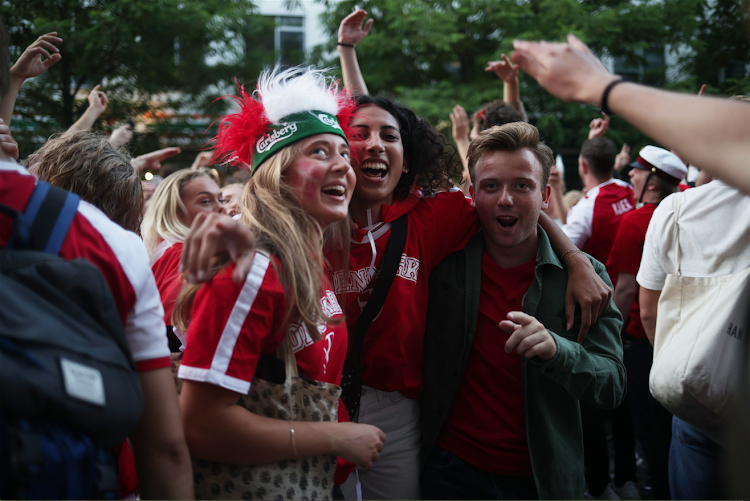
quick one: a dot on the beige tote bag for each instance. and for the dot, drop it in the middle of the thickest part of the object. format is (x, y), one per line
(699, 328)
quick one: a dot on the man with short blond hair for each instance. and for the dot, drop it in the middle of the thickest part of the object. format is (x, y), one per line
(503, 373)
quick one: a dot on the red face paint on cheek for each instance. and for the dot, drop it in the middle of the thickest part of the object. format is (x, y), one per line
(307, 177)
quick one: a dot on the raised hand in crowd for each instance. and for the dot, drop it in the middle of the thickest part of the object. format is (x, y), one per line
(202, 159)
(712, 133)
(460, 121)
(555, 182)
(121, 135)
(8, 145)
(623, 158)
(98, 101)
(35, 60)
(211, 234)
(599, 126)
(352, 32)
(508, 73)
(152, 161)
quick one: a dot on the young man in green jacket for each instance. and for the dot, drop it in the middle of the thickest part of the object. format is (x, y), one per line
(504, 374)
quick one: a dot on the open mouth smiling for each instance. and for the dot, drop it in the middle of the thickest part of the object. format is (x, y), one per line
(335, 190)
(376, 170)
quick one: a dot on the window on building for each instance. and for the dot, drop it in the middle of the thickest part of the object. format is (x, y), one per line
(650, 70)
(289, 39)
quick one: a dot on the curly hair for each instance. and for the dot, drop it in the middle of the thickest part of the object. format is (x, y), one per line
(431, 159)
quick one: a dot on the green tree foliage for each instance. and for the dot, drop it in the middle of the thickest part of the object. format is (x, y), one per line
(432, 54)
(176, 49)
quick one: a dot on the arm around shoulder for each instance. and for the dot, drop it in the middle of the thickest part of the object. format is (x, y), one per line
(592, 371)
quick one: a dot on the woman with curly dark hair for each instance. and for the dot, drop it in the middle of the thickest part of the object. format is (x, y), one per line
(401, 162)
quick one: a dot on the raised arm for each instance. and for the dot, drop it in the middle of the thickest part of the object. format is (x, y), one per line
(599, 126)
(35, 60)
(460, 121)
(351, 33)
(712, 133)
(508, 73)
(97, 104)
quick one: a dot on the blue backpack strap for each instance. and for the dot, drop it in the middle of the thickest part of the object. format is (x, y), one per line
(48, 215)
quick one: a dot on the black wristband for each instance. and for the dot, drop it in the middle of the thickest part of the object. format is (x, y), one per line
(347, 45)
(605, 96)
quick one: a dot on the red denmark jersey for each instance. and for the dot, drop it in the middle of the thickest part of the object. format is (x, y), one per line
(393, 349)
(233, 324)
(166, 270)
(592, 222)
(120, 256)
(626, 257)
(486, 424)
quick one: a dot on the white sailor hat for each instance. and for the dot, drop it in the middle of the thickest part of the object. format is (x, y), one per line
(662, 163)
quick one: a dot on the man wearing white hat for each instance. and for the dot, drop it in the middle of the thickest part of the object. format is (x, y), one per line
(655, 175)
(714, 241)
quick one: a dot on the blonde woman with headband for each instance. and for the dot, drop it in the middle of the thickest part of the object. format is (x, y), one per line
(263, 358)
(176, 202)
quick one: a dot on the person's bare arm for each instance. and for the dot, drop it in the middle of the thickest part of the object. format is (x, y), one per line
(161, 454)
(556, 194)
(220, 430)
(712, 133)
(352, 32)
(585, 288)
(152, 161)
(599, 126)
(625, 293)
(623, 158)
(649, 300)
(97, 104)
(508, 73)
(460, 121)
(35, 60)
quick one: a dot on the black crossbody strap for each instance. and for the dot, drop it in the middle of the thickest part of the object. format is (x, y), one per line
(391, 262)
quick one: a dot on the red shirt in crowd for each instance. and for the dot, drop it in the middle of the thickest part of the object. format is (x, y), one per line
(592, 222)
(626, 257)
(486, 424)
(233, 324)
(393, 350)
(122, 259)
(168, 278)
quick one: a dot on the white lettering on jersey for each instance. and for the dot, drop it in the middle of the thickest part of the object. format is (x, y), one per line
(301, 338)
(621, 207)
(357, 281)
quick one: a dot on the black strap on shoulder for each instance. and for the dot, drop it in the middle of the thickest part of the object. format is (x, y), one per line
(45, 220)
(391, 261)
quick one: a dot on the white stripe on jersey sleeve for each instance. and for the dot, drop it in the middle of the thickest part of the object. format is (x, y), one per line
(217, 374)
(242, 307)
(144, 325)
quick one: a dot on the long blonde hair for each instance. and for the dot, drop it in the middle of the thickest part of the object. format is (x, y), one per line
(270, 208)
(162, 220)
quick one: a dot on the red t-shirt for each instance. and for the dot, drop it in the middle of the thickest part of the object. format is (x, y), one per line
(626, 257)
(486, 424)
(393, 349)
(166, 270)
(233, 324)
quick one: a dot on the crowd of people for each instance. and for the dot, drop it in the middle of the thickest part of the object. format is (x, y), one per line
(369, 312)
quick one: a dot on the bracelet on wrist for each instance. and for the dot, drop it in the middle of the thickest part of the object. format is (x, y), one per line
(605, 95)
(571, 252)
(342, 44)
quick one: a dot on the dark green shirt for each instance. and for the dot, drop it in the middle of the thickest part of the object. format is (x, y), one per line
(591, 372)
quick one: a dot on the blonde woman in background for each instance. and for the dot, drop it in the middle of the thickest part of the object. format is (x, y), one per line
(176, 202)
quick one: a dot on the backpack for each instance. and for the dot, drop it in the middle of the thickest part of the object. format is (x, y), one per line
(69, 389)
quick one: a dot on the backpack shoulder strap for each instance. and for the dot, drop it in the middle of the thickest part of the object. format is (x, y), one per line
(391, 261)
(48, 216)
